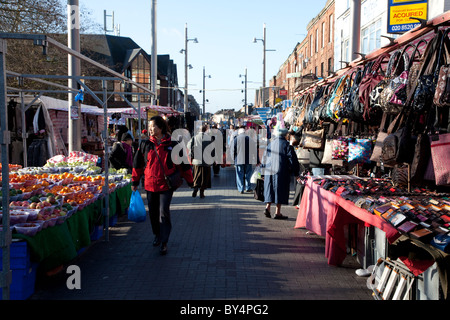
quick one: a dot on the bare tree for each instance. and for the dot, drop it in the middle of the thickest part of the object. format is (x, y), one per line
(38, 17)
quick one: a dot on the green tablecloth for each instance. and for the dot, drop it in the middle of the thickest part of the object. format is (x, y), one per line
(59, 244)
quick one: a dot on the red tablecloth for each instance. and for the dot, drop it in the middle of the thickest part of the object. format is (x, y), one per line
(326, 214)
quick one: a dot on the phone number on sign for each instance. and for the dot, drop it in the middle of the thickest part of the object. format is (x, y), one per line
(403, 27)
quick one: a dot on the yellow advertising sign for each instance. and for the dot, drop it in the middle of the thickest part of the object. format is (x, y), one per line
(402, 14)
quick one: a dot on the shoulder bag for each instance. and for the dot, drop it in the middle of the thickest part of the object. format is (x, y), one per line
(440, 155)
(442, 93)
(426, 80)
(369, 82)
(174, 180)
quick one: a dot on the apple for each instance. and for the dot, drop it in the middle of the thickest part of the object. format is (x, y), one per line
(32, 205)
(51, 199)
(39, 205)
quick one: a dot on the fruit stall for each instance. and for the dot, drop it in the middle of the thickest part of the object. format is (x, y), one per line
(58, 210)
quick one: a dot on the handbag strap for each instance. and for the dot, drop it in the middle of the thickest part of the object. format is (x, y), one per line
(415, 51)
(160, 162)
(444, 49)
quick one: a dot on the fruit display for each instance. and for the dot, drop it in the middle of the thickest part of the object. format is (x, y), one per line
(40, 198)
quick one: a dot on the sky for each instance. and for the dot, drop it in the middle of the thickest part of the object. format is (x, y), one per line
(225, 31)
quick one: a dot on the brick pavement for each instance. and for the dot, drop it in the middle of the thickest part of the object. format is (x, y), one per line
(221, 247)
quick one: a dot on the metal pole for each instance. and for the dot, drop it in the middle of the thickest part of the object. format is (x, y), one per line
(204, 76)
(245, 95)
(73, 23)
(24, 132)
(154, 75)
(356, 28)
(186, 109)
(264, 66)
(106, 159)
(5, 239)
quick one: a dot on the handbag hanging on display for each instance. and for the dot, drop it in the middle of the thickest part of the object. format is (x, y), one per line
(427, 78)
(328, 149)
(312, 139)
(395, 78)
(376, 152)
(442, 92)
(440, 155)
(398, 146)
(359, 150)
(339, 150)
(369, 82)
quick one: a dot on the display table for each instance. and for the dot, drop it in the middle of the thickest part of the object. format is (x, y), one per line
(326, 214)
(54, 246)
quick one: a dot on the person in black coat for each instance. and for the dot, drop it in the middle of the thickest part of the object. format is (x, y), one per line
(122, 153)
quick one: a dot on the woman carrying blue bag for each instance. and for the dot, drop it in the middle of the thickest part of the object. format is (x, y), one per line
(153, 159)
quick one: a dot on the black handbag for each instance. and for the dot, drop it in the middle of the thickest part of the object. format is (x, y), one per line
(259, 190)
(174, 180)
(427, 79)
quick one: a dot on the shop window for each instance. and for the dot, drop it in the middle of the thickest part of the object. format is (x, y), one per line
(371, 37)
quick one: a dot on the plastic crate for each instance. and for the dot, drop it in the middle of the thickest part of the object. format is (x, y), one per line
(97, 233)
(19, 256)
(23, 283)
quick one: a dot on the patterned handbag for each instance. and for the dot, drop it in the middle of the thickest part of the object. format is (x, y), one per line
(440, 155)
(415, 67)
(442, 93)
(339, 149)
(369, 82)
(359, 150)
(391, 74)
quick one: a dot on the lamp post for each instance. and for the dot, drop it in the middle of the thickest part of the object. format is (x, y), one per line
(185, 50)
(264, 63)
(204, 100)
(245, 92)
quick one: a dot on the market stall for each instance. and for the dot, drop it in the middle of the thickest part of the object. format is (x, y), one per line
(58, 210)
(383, 120)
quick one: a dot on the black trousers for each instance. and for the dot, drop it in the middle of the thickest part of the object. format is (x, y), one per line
(159, 212)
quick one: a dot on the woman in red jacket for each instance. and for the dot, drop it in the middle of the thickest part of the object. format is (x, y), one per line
(159, 195)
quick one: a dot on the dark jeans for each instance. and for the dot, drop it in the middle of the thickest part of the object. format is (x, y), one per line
(159, 212)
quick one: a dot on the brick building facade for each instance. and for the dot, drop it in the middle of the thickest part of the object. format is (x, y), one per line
(312, 58)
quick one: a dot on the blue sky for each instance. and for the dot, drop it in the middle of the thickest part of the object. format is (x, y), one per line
(225, 32)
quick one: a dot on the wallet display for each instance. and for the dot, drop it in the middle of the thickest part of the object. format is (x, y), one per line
(421, 214)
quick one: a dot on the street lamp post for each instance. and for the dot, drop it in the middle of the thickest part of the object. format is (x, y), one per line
(204, 100)
(245, 92)
(185, 50)
(263, 40)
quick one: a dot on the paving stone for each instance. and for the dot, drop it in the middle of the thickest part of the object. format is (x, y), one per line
(221, 247)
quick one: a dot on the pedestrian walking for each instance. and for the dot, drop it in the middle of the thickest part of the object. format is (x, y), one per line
(121, 156)
(155, 160)
(279, 163)
(200, 161)
(245, 154)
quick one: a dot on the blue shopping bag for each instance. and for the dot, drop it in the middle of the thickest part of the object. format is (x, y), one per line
(136, 211)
